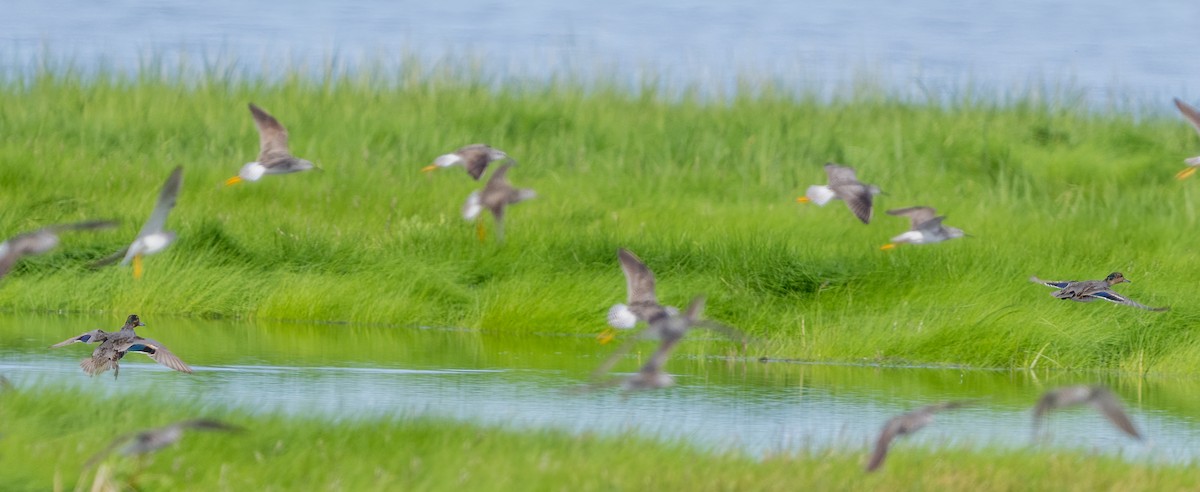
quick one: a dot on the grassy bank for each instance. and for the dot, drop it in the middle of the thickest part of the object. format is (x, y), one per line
(48, 435)
(703, 191)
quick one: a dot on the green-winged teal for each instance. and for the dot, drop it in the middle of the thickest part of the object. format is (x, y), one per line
(845, 186)
(40, 241)
(1192, 117)
(148, 441)
(1090, 290)
(274, 157)
(926, 227)
(152, 238)
(114, 346)
(495, 196)
(907, 424)
(475, 158)
(1098, 397)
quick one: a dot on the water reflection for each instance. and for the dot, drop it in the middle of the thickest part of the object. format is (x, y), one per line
(338, 372)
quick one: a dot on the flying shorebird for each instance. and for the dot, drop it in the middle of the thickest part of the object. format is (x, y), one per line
(904, 425)
(475, 158)
(926, 227)
(148, 441)
(152, 238)
(40, 241)
(669, 327)
(843, 185)
(1090, 290)
(114, 346)
(1098, 397)
(495, 196)
(1193, 117)
(642, 303)
(273, 154)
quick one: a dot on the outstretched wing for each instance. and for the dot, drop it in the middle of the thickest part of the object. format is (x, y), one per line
(916, 215)
(272, 136)
(1057, 284)
(156, 351)
(1189, 112)
(1112, 296)
(883, 443)
(1108, 405)
(166, 201)
(840, 174)
(86, 337)
(858, 197)
(639, 280)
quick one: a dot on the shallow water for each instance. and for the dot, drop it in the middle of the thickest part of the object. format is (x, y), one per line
(1110, 49)
(342, 372)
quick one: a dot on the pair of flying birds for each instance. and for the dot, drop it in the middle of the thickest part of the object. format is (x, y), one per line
(151, 239)
(1098, 397)
(926, 225)
(497, 194)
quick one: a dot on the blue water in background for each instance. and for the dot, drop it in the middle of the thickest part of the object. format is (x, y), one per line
(1112, 52)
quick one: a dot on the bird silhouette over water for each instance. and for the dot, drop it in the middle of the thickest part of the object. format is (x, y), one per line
(274, 156)
(40, 241)
(495, 196)
(475, 158)
(926, 227)
(114, 346)
(1098, 397)
(1090, 290)
(153, 237)
(844, 185)
(905, 424)
(669, 328)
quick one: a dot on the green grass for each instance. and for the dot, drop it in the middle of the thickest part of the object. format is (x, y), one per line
(51, 433)
(702, 190)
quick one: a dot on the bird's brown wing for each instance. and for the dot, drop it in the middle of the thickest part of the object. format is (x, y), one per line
(85, 337)
(858, 197)
(883, 443)
(156, 351)
(272, 136)
(916, 215)
(476, 158)
(639, 280)
(1111, 296)
(1189, 112)
(839, 174)
(1108, 405)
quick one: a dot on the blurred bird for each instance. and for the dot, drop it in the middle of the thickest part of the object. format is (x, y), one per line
(114, 346)
(1098, 397)
(148, 441)
(642, 303)
(904, 425)
(1090, 290)
(475, 158)
(274, 157)
(1193, 117)
(152, 238)
(496, 196)
(40, 241)
(926, 227)
(669, 328)
(844, 185)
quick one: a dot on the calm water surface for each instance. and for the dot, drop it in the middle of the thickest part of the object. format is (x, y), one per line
(345, 372)
(1112, 50)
